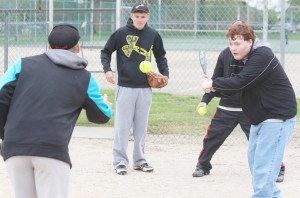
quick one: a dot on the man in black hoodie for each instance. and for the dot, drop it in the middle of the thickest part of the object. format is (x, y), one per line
(227, 116)
(41, 98)
(268, 100)
(133, 43)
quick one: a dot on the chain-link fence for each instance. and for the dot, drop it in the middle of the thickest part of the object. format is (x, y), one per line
(186, 27)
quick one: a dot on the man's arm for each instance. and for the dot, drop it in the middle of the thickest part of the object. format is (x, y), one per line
(106, 52)
(160, 56)
(7, 87)
(260, 64)
(218, 72)
(98, 110)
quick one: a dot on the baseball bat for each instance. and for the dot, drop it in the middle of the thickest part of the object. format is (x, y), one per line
(203, 61)
(203, 64)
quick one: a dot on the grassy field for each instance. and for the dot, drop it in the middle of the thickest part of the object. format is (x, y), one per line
(170, 114)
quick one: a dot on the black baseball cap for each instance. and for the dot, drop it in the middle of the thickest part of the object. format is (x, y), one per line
(140, 7)
(63, 36)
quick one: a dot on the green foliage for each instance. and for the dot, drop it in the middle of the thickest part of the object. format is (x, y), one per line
(272, 17)
(294, 2)
(293, 15)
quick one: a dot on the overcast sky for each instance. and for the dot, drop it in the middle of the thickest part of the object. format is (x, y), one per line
(272, 4)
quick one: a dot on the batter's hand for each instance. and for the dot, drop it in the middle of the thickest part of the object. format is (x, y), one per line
(201, 104)
(207, 84)
(110, 77)
(106, 100)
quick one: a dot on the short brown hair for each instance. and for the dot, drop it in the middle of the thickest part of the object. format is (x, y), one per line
(240, 28)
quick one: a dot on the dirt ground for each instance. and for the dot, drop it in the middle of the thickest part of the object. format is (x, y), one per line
(93, 175)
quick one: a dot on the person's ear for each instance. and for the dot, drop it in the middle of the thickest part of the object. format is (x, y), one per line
(77, 48)
(250, 42)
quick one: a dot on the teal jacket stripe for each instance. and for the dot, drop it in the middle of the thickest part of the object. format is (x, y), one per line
(11, 74)
(94, 94)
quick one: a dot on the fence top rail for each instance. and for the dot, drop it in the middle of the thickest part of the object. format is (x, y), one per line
(57, 9)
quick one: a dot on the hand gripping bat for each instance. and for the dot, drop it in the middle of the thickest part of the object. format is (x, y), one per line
(203, 64)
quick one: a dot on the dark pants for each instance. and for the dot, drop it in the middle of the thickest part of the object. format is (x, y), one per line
(221, 126)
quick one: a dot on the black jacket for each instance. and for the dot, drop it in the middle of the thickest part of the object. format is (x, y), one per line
(226, 66)
(266, 90)
(134, 46)
(44, 95)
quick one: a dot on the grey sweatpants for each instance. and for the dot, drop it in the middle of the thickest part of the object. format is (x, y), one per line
(132, 111)
(38, 177)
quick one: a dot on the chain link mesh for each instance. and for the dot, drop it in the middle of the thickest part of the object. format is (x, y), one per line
(186, 27)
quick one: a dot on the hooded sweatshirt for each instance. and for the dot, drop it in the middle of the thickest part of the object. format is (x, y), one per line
(44, 95)
(226, 66)
(266, 90)
(134, 46)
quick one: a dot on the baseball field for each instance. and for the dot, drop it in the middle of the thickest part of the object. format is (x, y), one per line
(92, 175)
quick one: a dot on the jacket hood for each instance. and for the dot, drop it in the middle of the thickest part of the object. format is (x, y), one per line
(258, 43)
(66, 58)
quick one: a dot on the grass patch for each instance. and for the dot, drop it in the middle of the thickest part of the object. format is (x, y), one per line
(170, 114)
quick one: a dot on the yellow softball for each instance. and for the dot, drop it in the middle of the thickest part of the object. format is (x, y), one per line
(202, 111)
(145, 66)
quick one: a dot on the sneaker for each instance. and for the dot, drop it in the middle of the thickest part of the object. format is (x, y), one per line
(144, 167)
(200, 172)
(280, 177)
(121, 170)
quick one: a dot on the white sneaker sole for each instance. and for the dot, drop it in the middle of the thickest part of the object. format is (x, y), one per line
(121, 172)
(144, 169)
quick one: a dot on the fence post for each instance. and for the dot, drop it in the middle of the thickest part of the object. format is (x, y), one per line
(6, 41)
(118, 14)
(265, 20)
(282, 33)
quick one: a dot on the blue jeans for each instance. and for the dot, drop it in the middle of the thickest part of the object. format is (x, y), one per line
(267, 142)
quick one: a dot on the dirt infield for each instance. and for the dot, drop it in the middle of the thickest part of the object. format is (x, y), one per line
(94, 177)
